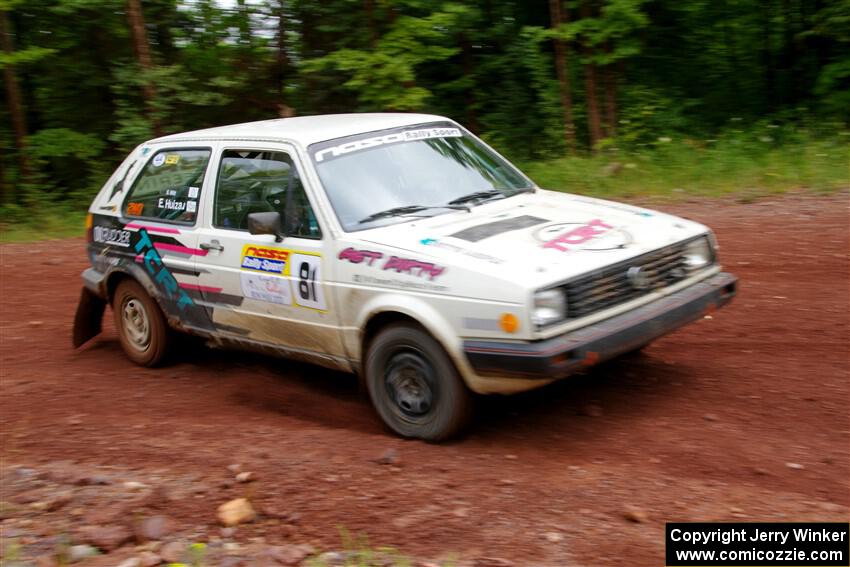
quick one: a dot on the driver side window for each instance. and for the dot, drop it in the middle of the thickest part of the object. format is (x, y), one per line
(259, 181)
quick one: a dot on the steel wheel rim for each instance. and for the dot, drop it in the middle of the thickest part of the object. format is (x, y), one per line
(136, 323)
(409, 382)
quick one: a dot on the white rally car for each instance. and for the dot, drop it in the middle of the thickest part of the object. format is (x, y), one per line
(397, 246)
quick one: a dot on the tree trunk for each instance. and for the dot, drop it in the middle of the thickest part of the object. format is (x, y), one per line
(593, 121)
(468, 65)
(282, 58)
(143, 55)
(13, 99)
(244, 24)
(789, 52)
(563, 77)
(730, 50)
(5, 186)
(610, 74)
(370, 22)
(282, 64)
(772, 98)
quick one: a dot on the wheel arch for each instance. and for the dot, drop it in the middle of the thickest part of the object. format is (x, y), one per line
(126, 272)
(116, 276)
(387, 310)
(380, 320)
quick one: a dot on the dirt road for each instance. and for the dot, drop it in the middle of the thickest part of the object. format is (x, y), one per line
(742, 417)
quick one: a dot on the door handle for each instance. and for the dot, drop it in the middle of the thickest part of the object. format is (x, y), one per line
(214, 245)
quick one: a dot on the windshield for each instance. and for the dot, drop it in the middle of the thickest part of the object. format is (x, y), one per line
(394, 175)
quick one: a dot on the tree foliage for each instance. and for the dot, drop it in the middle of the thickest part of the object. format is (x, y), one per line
(78, 93)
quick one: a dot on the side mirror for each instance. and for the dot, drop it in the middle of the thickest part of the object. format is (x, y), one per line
(266, 223)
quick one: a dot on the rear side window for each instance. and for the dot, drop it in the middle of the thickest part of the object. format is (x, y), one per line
(169, 187)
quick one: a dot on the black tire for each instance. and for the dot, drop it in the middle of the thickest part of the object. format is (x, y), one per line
(144, 334)
(414, 386)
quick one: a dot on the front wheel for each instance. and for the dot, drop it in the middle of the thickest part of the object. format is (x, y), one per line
(144, 334)
(414, 386)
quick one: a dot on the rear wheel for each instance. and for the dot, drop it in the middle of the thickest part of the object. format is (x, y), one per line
(142, 329)
(414, 386)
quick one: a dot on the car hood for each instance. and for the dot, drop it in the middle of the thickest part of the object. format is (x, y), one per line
(536, 238)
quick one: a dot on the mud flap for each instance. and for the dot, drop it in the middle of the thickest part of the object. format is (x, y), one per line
(87, 321)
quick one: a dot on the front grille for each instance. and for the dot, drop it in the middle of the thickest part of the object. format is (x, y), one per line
(612, 285)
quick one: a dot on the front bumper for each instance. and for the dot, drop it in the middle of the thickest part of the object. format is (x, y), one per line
(563, 355)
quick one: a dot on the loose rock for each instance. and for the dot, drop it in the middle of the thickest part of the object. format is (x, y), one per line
(59, 501)
(158, 499)
(245, 477)
(290, 554)
(173, 551)
(635, 515)
(228, 532)
(236, 512)
(331, 558)
(80, 552)
(389, 457)
(106, 538)
(94, 480)
(24, 472)
(149, 559)
(154, 528)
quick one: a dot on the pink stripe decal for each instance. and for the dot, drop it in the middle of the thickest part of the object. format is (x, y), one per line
(140, 258)
(197, 287)
(162, 229)
(179, 249)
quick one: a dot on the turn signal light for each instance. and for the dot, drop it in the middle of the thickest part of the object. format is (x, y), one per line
(509, 322)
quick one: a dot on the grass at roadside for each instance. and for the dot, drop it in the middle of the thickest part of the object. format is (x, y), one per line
(685, 168)
(41, 223)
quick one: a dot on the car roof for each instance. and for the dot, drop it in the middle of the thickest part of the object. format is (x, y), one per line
(306, 130)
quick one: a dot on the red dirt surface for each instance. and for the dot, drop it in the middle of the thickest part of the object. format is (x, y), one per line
(740, 418)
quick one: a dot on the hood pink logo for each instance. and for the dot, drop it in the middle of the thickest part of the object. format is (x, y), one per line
(567, 236)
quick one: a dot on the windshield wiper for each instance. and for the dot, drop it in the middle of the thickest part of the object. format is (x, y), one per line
(489, 194)
(409, 209)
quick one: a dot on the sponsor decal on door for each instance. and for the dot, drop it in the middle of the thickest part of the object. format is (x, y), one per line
(267, 273)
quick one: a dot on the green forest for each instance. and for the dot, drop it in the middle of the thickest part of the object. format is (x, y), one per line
(607, 97)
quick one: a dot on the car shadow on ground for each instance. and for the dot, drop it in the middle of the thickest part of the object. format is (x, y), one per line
(614, 391)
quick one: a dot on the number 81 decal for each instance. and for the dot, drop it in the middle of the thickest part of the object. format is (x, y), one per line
(306, 273)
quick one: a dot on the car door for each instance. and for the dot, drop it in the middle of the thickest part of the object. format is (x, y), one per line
(259, 288)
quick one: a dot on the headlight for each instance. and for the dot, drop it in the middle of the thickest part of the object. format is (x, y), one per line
(550, 306)
(698, 254)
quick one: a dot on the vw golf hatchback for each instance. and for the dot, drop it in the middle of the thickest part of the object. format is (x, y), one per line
(396, 246)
